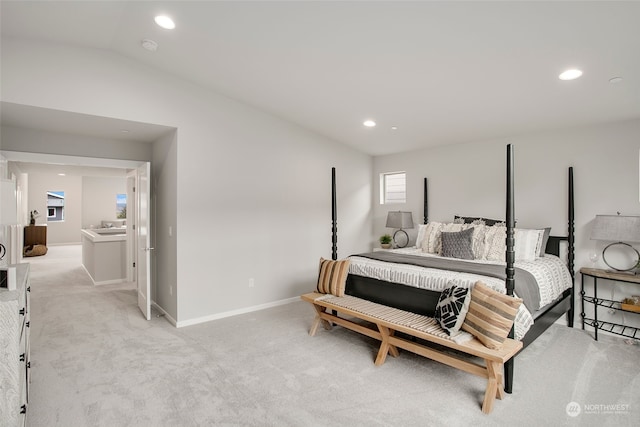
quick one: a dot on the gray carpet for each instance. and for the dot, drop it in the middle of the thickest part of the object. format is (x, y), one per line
(96, 362)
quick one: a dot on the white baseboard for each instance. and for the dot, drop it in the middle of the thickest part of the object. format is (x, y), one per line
(245, 310)
(108, 282)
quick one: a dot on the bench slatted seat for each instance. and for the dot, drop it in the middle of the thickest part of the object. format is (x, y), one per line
(388, 321)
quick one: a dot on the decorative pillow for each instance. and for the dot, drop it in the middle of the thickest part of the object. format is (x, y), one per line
(526, 244)
(490, 316)
(431, 239)
(495, 243)
(452, 308)
(332, 277)
(544, 239)
(457, 244)
(420, 237)
(477, 242)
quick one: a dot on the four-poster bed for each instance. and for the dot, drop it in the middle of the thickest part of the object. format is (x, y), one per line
(423, 301)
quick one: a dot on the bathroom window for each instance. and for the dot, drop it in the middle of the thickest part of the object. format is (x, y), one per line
(55, 206)
(121, 206)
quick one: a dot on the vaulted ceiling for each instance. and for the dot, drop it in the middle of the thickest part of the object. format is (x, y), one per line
(439, 72)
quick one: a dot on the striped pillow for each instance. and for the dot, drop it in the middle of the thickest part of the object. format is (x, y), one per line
(490, 315)
(332, 277)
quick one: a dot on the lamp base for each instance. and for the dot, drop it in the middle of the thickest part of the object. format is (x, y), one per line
(621, 270)
(395, 242)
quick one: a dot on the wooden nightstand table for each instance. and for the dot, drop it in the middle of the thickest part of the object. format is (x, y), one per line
(35, 235)
(615, 328)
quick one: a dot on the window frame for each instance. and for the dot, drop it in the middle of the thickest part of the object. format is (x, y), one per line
(385, 177)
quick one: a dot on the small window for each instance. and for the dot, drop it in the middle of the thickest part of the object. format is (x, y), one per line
(55, 206)
(393, 188)
(121, 206)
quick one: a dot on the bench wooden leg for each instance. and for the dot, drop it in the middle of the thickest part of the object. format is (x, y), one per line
(494, 386)
(318, 320)
(393, 350)
(385, 347)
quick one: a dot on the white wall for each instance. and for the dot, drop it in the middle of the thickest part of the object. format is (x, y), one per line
(252, 191)
(99, 199)
(38, 141)
(58, 232)
(164, 204)
(469, 179)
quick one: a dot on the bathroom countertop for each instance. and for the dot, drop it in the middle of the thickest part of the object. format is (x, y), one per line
(98, 235)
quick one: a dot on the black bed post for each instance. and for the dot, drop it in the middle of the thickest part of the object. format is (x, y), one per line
(426, 203)
(510, 255)
(510, 258)
(571, 254)
(334, 229)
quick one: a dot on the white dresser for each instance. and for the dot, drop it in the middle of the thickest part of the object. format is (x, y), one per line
(14, 350)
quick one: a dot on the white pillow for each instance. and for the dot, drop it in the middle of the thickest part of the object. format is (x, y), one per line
(432, 240)
(495, 243)
(421, 231)
(527, 244)
(477, 243)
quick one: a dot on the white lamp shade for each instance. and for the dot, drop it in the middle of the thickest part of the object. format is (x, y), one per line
(616, 228)
(399, 220)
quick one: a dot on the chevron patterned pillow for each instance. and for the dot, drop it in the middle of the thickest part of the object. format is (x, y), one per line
(452, 308)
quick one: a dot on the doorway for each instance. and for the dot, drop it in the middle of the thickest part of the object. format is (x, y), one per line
(135, 174)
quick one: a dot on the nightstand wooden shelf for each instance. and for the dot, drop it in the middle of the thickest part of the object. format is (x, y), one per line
(615, 328)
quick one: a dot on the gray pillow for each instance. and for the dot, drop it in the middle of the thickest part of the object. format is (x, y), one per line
(458, 244)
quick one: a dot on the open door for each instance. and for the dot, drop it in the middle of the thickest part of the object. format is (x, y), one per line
(143, 239)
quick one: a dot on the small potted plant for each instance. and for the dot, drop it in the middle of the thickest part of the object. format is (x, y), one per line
(385, 241)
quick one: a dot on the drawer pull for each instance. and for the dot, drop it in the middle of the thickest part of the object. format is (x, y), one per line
(28, 324)
(22, 358)
(22, 311)
(23, 409)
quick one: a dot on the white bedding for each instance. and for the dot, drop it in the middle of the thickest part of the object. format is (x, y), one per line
(550, 272)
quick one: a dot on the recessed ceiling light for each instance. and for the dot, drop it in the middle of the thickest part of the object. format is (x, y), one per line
(62, 174)
(124, 131)
(394, 127)
(615, 80)
(165, 22)
(570, 74)
(369, 123)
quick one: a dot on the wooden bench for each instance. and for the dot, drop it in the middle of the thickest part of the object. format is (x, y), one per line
(384, 330)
